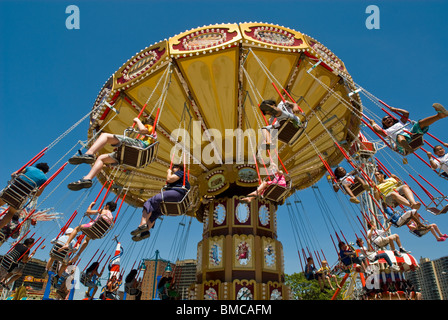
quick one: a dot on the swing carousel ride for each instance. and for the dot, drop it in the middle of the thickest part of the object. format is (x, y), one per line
(202, 88)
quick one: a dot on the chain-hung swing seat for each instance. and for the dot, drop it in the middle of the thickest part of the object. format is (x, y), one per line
(173, 208)
(416, 142)
(100, 227)
(134, 156)
(2, 237)
(357, 188)
(276, 193)
(19, 191)
(57, 255)
(438, 206)
(289, 132)
(419, 232)
(9, 259)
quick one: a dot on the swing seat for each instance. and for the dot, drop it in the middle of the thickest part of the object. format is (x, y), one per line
(136, 157)
(18, 191)
(98, 229)
(2, 237)
(419, 233)
(85, 281)
(357, 188)
(277, 193)
(416, 142)
(436, 211)
(289, 133)
(7, 262)
(175, 208)
(363, 149)
(61, 256)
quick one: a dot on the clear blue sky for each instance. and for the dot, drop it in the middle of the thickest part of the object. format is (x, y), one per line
(50, 77)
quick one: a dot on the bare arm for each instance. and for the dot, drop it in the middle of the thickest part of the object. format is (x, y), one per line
(141, 127)
(171, 177)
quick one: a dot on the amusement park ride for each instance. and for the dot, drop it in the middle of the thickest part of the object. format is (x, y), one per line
(203, 88)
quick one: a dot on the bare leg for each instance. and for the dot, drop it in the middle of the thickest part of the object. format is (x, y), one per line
(7, 217)
(410, 196)
(70, 238)
(104, 138)
(430, 120)
(257, 192)
(145, 218)
(435, 231)
(266, 135)
(98, 165)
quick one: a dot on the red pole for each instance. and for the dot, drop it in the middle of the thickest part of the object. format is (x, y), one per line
(53, 176)
(431, 185)
(155, 121)
(33, 160)
(339, 289)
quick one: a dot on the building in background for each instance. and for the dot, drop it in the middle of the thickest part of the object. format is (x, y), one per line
(184, 273)
(431, 279)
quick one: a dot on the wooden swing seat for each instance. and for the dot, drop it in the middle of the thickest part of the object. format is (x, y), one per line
(419, 233)
(416, 142)
(357, 188)
(289, 133)
(61, 256)
(436, 211)
(175, 208)
(7, 262)
(2, 237)
(98, 229)
(363, 149)
(277, 193)
(18, 191)
(134, 156)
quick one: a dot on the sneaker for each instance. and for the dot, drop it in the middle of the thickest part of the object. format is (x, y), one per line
(82, 158)
(371, 257)
(396, 253)
(140, 229)
(141, 236)
(80, 184)
(444, 235)
(354, 200)
(440, 109)
(402, 250)
(441, 239)
(394, 268)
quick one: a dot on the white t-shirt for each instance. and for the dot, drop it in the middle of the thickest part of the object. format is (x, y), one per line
(395, 130)
(442, 163)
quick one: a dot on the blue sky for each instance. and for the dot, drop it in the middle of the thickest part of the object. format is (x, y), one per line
(50, 77)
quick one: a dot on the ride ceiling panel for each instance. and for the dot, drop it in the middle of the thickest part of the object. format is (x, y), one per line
(208, 79)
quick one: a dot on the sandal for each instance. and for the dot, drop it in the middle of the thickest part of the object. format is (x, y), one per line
(82, 158)
(80, 184)
(141, 236)
(140, 229)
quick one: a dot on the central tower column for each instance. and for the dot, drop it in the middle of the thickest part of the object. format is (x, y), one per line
(239, 256)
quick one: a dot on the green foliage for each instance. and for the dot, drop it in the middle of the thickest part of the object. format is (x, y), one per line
(302, 289)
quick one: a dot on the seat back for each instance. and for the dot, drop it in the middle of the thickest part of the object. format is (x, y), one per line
(98, 229)
(276, 193)
(289, 133)
(59, 255)
(7, 262)
(18, 191)
(419, 233)
(137, 157)
(169, 208)
(357, 188)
